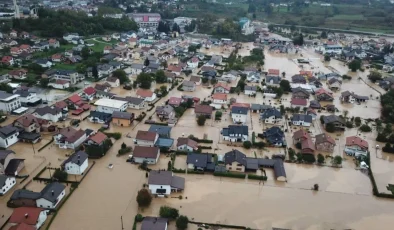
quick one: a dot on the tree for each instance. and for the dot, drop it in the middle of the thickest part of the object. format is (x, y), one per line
(283, 74)
(299, 157)
(375, 76)
(60, 175)
(299, 40)
(85, 52)
(337, 160)
(247, 144)
(357, 121)
(44, 82)
(121, 75)
(95, 72)
(365, 128)
(146, 62)
(354, 65)
(144, 165)
(330, 127)
(316, 187)
(176, 28)
(164, 64)
(182, 222)
(192, 48)
(160, 77)
(251, 8)
(327, 58)
(320, 158)
(201, 120)
(163, 90)
(144, 198)
(123, 146)
(291, 154)
(285, 85)
(36, 68)
(144, 80)
(168, 212)
(323, 34)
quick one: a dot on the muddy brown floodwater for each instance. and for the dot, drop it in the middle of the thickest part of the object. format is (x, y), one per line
(344, 201)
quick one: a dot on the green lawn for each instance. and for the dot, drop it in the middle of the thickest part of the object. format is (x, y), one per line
(348, 17)
(98, 46)
(65, 66)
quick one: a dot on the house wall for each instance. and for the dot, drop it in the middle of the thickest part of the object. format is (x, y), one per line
(272, 120)
(106, 109)
(220, 90)
(185, 148)
(250, 92)
(235, 167)
(281, 178)
(217, 101)
(114, 84)
(150, 161)
(74, 169)
(50, 117)
(121, 122)
(9, 183)
(239, 118)
(5, 143)
(10, 106)
(59, 86)
(146, 143)
(301, 123)
(140, 106)
(154, 187)
(43, 203)
(41, 219)
(234, 138)
(188, 88)
(6, 161)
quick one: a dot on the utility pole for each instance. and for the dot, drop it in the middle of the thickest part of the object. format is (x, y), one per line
(121, 221)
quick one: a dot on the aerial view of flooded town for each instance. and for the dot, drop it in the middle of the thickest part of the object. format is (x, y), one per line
(159, 115)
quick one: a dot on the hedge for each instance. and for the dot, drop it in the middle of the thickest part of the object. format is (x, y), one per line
(256, 177)
(204, 147)
(201, 140)
(141, 116)
(46, 145)
(181, 153)
(195, 172)
(175, 170)
(227, 174)
(219, 225)
(116, 136)
(151, 108)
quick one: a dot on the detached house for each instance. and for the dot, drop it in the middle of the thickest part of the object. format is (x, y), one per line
(28, 217)
(148, 154)
(164, 182)
(89, 93)
(323, 95)
(239, 114)
(70, 138)
(204, 110)
(76, 164)
(334, 84)
(219, 100)
(250, 90)
(221, 88)
(165, 112)
(9, 165)
(350, 97)
(275, 136)
(271, 116)
(147, 95)
(298, 102)
(51, 195)
(200, 162)
(6, 183)
(356, 143)
(338, 122)
(301, 120)
(186, 144)
(146, 138)
(113, 81)
(48, 113)
(188, 86)
(235, 133)
(8, 136)
(324, 142)
(300, 93)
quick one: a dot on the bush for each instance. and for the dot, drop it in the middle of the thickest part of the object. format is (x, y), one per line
(206, 141)
(138, 218)
(144, 198)
(123, 151)
(116, 136)
(298, 145)
(365, 128)
(168, 212)
(309, 158)
(60, 175)
(291, 154)
(349, 124)
(229, 174)
(256, 177)
(320, 158)
(247, 144)
(357, 120)
(330, 127)
(182, 222)
(337, 160)
(218, 115)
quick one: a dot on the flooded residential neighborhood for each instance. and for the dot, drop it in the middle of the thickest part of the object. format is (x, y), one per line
(186, 131)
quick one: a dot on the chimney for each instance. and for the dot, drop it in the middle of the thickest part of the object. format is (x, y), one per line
(26, 215)
(53, 192)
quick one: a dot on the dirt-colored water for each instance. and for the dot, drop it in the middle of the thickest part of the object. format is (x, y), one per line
(345, 199)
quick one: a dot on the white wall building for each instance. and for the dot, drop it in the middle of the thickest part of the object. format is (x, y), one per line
(76, 164)
(6, 184)
(8, 136)
(110, 105)
(9, 102)
(51, 195)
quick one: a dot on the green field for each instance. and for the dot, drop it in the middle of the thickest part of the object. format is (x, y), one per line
(65, 66)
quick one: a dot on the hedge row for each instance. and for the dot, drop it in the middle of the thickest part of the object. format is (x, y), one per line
(228, 174)
(256, 177)
(219, 225)
(46, 145)
(175, 170)
(201, 140)
(204, 147)
(116, 136)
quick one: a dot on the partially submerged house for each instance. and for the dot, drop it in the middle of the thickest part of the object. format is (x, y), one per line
(165, 182)
(235, 133)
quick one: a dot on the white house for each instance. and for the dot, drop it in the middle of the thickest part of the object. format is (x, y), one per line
(235, 133)
(250, 90)
(239, 114)
(136, 68)
(219, 99)
(70, 138)
(28, 216)
(164, 182)
(48, 113)
(76, 164)
(6, 183)
(186, 144)
(146, 138)
(113, 81)
(230, 76)
(221, 88)
(9, 102)
(28, 98)
(253, 77)
(147, 95)
(8, 136)
(51, 195)
(110, 105)
(134, 102)
(192, 63)
(44, 63)
(302, 120)
(150, 155)
(271, 116)
(70, 36)
(59, 84)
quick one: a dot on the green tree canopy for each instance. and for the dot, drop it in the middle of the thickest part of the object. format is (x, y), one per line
(121, 75)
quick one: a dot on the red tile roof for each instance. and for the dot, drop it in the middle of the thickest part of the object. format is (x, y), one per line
(174, 101)
(22, 226)
(144, 93)
(89, 90)
(306, 73)
(273, 72)
(99, 137)
(220, 96)
(146, 135)
(61, 82)
(239, 104)
(226, 87)
(188, 142)
(205, 109)
(299, 101)
(145, 152)
(322, 91)
(75, 98)
(174, 68)
(307, 145)
(301, 134)
(61, 104)
(355, 140)
(19, 215)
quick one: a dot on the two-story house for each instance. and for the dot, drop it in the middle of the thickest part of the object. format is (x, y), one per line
(146, 138)
(271, 116)
(324, 142)
(239, 114)
(9, 102)
(221, 88)
(235, 133)
(49, 113)
(165, 112)
(76, 163)
(70, 138)
(28, 97)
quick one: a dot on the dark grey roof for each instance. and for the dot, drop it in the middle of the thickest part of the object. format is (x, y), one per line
(160, 129)
(302, 117)
(166, 178)
(77, 158)
(100, 115)
(314, 104)
(22, 92)
(235, 129)
(52, 191)
(199, 159)
(48, 110)
(299, 89)
(333, 118)
(154, 223)
(274, 135)
(25, 194)
(137, 66)
(121, 115)
(13, 166)
(239, 110)
(7, 131)
(271, 112)
(274, 79)
(235, 156)
(4, 154)
(130, 100)
(4, 95)
(251, 88)
(252, 163)
(2, 180)
(178, 182)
